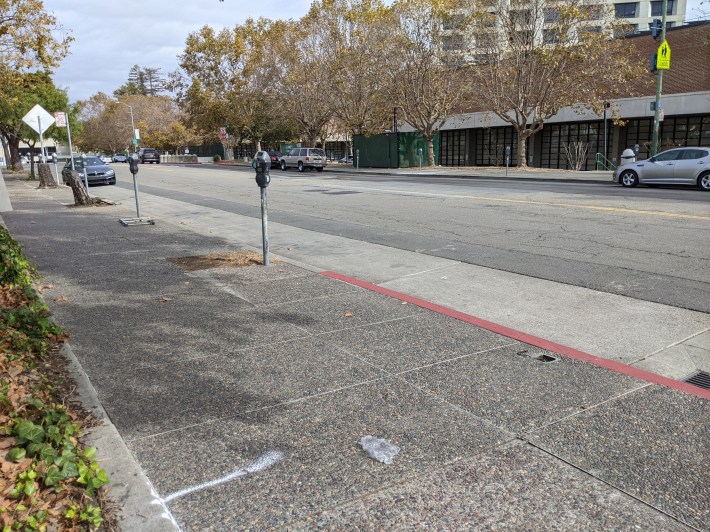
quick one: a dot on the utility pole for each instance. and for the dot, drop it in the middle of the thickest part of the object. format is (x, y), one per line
(133, 125)
(659, 86)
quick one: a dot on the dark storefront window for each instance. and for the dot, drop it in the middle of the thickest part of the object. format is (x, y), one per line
(453, 148)
(555, 137)
(672, 132)
(490, 146)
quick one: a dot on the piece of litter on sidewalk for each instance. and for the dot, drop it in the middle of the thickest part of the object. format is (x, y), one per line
(379, 449)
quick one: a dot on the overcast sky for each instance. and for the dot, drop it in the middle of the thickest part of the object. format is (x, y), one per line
(112, 36)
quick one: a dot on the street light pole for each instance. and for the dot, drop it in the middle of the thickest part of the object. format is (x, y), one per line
(133, 125)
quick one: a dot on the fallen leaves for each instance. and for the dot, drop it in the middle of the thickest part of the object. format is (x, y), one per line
(348, 314)
(43, 287)
(165, 299)
(61, 299)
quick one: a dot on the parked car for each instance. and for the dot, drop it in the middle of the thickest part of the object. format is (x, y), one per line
(679, 166)
(106, 159)
(97, 171)
(275, 157)
(120, 158)
(149, 155)
(303, 158)
(346, 160)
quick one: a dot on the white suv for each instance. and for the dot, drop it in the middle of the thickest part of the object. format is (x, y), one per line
(303, 158)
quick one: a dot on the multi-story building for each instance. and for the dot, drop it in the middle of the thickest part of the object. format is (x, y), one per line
(640, 14)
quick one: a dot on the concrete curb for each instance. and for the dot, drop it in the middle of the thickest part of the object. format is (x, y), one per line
(443, 174)
(140, 506)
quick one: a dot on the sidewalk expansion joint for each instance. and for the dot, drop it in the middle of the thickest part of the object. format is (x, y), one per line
(608, 483)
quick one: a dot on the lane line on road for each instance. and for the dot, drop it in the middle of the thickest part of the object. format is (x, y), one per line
(529, 202)
(554, 347)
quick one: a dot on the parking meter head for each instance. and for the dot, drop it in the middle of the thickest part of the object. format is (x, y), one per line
(133, 163)
(262, 164)
(54, 157)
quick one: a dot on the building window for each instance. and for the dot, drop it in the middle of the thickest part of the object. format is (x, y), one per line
(452, 150)
(551, 14)
(657, 8)
(550, 36)
(626, 10)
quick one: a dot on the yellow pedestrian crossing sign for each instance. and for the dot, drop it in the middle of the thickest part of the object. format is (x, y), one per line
(663, 57)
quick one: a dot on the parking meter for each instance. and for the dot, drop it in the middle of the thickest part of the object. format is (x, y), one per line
(133, 163)
(507, 159)
(54, 158)
(262, 165)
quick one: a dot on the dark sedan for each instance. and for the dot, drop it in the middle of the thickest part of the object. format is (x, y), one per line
(275, 157)
(98, 172)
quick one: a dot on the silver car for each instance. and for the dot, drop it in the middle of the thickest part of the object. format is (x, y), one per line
(679, 166)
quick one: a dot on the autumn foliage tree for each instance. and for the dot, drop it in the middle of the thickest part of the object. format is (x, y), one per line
(31, 40)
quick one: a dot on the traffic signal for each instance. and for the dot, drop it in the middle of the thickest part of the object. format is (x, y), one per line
(653, 62)
(656, 28)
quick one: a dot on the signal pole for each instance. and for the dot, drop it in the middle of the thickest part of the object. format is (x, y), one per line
(659, 86)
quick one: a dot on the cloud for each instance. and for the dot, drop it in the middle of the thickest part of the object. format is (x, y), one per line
(111, 37)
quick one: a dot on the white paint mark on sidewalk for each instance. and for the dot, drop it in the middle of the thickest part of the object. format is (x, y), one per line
(265, 460)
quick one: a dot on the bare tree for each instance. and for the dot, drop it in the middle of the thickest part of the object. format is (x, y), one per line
(534, 57)
(427, 81)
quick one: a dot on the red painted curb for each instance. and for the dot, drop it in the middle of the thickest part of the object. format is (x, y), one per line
(569, 352)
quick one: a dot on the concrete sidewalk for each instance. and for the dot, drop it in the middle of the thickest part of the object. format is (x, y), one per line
(242, 393)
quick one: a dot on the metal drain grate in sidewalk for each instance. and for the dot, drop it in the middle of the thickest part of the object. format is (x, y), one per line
(701, 379)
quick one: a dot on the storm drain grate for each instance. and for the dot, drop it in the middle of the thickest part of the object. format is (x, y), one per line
(542, 357)
(701, 379)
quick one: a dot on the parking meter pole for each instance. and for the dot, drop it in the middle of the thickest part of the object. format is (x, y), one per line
(41, 140)
(56, 170)
(71, 149)
(357, 159)
(86, 174)
(264, 227)
(135, 192)
(507, 159)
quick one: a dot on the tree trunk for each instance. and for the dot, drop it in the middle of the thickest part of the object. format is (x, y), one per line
(430, 150)
(46, 179)
(13, 144)
(33, 175)
(5, 150)
(81, 197)
(522, 152)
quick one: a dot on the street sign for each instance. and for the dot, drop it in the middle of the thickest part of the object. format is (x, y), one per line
(663, 56)
(60, 119)
(136, 134)
(38, 117)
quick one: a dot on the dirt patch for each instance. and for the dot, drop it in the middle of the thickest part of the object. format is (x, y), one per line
(235, 259)
(95, 202)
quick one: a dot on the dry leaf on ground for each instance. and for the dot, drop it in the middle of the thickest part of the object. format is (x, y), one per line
(61, 299)
(348, 314)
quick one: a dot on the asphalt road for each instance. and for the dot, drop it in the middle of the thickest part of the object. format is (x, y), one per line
(644, 243)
